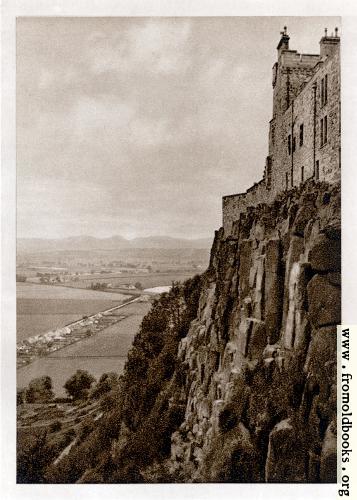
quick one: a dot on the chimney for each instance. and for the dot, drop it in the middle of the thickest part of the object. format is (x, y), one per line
(329, 44)
(284, 41)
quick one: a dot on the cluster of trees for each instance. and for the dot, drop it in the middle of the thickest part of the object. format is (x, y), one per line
(49, 278)
(98, 286)
(80, 386)
(36, 450)
(142, 408)
(39, 390)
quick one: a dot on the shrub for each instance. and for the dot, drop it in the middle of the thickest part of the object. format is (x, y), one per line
(106, 383)
(85, 429)
(39, 390)
(78, 385)
(33, 455)
(227, 420)
(55, 426)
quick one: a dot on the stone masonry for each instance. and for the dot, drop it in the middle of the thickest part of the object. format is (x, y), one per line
(305, 130)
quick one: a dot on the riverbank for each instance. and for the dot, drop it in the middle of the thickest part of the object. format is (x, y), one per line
(44, 344)
(104, 352)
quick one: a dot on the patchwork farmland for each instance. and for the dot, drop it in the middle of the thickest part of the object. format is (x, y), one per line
(41, 308)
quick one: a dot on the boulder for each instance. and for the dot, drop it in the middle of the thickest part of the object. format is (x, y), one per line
(324, 302)
(321, 353)
(285, 461)
(325, 254)
(304, 215)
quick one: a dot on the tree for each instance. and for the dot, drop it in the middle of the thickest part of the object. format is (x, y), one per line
(39, 390)
(79, 384)
(138, 285)
(32, 457)
(106, 383)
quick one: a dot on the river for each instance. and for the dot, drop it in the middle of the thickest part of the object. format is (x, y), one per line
(104, 352)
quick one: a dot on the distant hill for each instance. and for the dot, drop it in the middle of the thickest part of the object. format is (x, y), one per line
(77, 243)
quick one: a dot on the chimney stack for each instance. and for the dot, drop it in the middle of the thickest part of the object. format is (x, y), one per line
(329, 44)
(284, 41)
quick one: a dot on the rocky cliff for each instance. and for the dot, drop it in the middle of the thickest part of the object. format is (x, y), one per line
(260, 358)
(232, 376)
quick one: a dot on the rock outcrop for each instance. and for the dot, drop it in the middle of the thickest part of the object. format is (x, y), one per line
(260, 358)
(232, 376)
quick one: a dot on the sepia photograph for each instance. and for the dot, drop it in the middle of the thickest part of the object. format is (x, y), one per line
(177, 307)
(178, 249)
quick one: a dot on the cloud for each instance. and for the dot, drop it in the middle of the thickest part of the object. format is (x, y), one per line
(140, 125)
(155, 47)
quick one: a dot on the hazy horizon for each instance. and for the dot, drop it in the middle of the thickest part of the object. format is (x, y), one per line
(138, 126)
(152, 236)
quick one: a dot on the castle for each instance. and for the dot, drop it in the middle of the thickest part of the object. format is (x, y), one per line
(305, 130)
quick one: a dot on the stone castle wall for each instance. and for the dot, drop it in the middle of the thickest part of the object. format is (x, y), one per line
(235, 204)
(292, 169)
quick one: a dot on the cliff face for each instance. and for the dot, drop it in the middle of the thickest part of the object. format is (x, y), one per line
(259, 361)
(232, 376)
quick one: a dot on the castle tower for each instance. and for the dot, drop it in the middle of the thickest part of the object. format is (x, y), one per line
(329, 45)
(305, 130)
(289, 73)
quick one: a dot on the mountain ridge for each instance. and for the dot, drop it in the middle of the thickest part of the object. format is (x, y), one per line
(27, 245)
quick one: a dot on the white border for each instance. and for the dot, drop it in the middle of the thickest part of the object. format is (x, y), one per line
(13, 8)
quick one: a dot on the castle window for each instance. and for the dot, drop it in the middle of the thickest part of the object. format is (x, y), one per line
(301, 134)
(294, 144)
(302, 174)
(323, 91)
(317, 170)
(323, 131)
(289, 144)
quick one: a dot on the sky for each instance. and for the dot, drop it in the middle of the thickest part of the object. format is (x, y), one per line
(139, 126)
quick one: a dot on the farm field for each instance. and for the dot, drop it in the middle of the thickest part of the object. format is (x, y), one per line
(35, 291)
(106, 351)
(147, 280)
(41, 308)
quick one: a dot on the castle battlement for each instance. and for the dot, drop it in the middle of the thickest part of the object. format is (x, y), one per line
(305, 129)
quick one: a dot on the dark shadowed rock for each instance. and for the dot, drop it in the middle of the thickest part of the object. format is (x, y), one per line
(244, 266)
(328, 468)
(324, 302)
(286, 458)
(258, 340)
(325, 254)
(273, 289)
